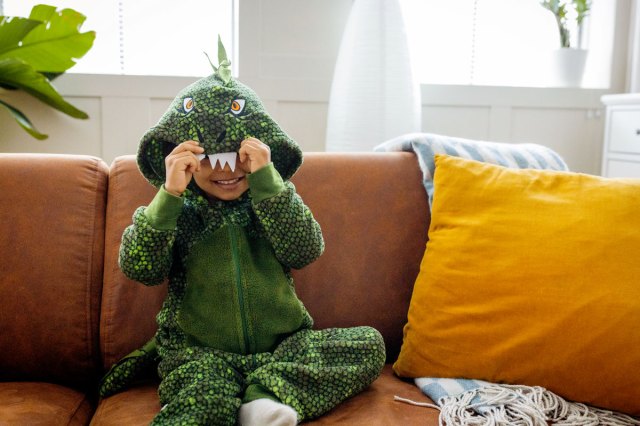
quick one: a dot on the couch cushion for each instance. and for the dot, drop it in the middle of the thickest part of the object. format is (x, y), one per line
(373, 407)
(51, 238)
(530, 277)
(128, 317)
(34, 403)
(376, 405)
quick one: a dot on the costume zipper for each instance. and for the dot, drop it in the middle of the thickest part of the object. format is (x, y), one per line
(236, 263)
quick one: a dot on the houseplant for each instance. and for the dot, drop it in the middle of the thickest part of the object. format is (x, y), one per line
(569, 15)
(36, 50)
(571, 57)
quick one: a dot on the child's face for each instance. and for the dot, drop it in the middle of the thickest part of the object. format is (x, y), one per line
(222, 183)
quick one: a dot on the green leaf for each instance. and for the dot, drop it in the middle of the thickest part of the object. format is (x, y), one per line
(21, 75)
(559, 11)
(23, 121)
(13, 30)
(582, 8)
(52, 46)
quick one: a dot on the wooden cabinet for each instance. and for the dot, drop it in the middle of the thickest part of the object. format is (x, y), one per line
(621, 155)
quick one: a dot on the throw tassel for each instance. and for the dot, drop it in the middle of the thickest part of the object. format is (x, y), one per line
(521, 406)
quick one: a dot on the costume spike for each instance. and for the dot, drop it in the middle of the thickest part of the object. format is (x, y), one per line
(224, 159)
(224, 65)
(215, 69)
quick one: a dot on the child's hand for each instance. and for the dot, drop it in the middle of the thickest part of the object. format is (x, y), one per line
(181, 163)
(254, 154)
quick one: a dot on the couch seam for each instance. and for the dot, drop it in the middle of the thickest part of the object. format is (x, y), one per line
(90, 258)
(75, 411)
(106, 298)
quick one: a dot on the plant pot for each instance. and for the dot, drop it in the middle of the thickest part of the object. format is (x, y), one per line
(568, 66)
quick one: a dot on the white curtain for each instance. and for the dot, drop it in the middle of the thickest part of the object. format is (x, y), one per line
(374, 95)
(633, 70)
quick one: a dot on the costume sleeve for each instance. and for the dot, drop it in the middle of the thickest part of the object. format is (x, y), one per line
(289, 224)
(146, 251)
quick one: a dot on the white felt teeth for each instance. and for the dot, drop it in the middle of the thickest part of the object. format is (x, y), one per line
(200, 157)
(224, 159)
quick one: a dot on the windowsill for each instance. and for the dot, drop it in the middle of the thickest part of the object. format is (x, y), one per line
(118, 85)
(561, 97)
(112, 85)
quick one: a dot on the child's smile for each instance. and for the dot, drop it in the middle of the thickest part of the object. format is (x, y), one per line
(222, 183)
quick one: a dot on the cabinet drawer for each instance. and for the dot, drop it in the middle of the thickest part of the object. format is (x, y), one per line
(627, 169)
(625, 131)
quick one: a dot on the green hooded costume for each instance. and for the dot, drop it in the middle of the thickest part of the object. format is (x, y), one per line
(232, 329)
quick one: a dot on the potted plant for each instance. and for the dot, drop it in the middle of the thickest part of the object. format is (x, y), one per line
(571, 57)
(36, 50)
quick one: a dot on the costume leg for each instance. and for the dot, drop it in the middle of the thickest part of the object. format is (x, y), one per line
(315, 370)
(199, 387)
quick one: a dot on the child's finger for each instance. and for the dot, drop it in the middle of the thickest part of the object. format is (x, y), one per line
(192, 146)
(242, 152)
(192, 167)
(193, 160)
(255, 145)
(251, 142)
(186, 160)
(194, 163)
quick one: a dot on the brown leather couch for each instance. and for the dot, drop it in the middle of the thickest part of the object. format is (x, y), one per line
(67, 313)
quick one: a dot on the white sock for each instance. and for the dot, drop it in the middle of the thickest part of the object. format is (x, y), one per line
(266, 412)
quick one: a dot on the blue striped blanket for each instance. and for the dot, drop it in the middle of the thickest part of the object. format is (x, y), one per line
(426, 145)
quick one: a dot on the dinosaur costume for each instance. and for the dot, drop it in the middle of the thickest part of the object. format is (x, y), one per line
(232, 329)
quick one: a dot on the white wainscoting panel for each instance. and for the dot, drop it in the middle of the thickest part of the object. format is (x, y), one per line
(556, 127)
(66, 134)
(462, 121)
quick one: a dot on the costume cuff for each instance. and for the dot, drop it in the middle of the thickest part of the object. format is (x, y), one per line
(163, 211)
(257, 391)
(265, 183)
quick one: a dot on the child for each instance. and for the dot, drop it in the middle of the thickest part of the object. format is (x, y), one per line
(234, 342)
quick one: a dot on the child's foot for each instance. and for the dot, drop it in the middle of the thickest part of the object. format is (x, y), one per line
(266, 412)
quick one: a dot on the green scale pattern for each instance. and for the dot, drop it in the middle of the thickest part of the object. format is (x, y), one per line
(310, 370)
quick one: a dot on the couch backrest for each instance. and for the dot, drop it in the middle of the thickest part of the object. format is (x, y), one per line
(374, 216)
(52, 211)
(128, 308)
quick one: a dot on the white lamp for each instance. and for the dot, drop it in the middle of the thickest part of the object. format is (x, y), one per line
(374, 95)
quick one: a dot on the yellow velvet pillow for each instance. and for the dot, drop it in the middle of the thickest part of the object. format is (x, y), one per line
(530, 277)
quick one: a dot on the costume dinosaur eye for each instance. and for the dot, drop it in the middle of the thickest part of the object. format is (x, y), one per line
(237, 106)
(187, 105)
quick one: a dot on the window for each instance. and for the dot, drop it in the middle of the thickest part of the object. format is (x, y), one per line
(149, 37)
(499, 42)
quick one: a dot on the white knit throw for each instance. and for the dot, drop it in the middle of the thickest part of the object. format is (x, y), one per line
(520, 405)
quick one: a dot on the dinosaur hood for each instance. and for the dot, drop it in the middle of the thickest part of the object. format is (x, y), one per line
(218, 112)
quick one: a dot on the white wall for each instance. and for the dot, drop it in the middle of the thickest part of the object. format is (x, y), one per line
(293, 75)
(287, 54)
